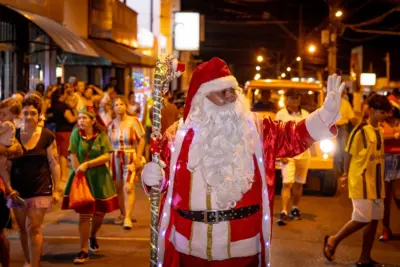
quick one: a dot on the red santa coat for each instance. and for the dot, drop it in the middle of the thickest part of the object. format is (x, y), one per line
(185, 190)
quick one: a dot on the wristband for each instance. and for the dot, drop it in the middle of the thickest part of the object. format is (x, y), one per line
(12, 193)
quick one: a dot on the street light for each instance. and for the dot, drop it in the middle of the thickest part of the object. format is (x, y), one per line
(260, 58)
(288, 69)
(312, 48)
(298, 58)
(257, 76)
(338, 13)
(258, 68)
(283, 75)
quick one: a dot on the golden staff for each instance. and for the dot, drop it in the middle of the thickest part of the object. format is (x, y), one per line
(165, 72)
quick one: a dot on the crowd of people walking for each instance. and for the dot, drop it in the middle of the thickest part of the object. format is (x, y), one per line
(74, 136)
(53, 139)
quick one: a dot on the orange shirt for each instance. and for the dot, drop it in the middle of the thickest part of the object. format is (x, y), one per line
(392, 146)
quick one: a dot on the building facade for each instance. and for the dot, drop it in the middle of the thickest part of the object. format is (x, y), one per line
(94, 40)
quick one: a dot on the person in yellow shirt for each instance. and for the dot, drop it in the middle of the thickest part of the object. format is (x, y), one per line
(364, 170)
(346, 116)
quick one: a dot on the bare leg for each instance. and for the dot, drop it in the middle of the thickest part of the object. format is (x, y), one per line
(4, 250)
(350, 228)
(387, 203)
(4, 172)
(129, 196)
(97, 222)
(286, 194)
(368, 241)
(84, 229)
(35, 237)
(121, 196)
(297, 193)
(396, 192)
(20, 217)
(64, 170)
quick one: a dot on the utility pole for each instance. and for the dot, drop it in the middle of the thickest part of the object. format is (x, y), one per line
(387, 60)
(300, 42)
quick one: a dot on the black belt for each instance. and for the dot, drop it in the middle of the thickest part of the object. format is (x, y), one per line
(216, 216)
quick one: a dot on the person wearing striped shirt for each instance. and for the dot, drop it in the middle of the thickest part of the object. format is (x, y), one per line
(126, 134)
(364, 171)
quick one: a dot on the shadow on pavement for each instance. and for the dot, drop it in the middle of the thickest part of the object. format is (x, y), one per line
(305, 217)
(111, 221)
(66, 257)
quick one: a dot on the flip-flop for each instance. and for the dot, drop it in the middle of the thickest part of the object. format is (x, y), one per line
(330, 249)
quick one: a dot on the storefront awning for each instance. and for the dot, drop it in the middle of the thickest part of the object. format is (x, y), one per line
(118, 53)
(66, 40)
(104, 54)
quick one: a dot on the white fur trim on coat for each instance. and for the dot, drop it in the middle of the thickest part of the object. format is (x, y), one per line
(241, 248)
(318, 129)
(266, 220)
(166, 212)
(218, 85)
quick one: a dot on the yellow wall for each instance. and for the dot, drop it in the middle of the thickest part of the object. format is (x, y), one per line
(76, 16)
(166, 21)
(124, 24)
(53, 9)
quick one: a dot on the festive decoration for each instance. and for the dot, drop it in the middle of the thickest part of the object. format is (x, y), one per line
(141, 88)
(165, 72)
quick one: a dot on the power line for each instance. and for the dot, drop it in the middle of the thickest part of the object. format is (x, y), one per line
(374, 20)
(375, 31)
(357, 40)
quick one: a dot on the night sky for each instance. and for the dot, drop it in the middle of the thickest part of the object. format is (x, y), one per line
(238, 30)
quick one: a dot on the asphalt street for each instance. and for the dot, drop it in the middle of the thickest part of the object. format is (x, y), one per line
(298, 244)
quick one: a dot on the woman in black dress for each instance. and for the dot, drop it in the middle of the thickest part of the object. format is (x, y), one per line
(34, 175)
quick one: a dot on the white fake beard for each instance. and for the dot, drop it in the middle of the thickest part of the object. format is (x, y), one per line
(222, 148)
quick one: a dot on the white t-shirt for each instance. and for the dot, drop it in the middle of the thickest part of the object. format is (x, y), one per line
(7, 133)
(81, 102)
(284, 115)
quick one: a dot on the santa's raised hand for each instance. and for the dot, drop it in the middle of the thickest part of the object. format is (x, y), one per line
(330, 111)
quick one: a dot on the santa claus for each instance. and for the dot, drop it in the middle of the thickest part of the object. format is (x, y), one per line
(218, 183)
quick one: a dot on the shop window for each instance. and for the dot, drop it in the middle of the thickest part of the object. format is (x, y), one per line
(39, 47)
(7, 41)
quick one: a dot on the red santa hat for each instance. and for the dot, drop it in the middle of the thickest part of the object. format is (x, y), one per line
(208, 77)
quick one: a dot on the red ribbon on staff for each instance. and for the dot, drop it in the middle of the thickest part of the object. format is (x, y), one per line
(155, 145)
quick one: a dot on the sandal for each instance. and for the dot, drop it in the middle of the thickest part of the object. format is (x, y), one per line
(386, 235)
(119, 220)
(331, 250)
(372, 263)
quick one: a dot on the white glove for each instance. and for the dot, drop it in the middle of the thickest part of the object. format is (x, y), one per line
(152, 174)
(330, 111)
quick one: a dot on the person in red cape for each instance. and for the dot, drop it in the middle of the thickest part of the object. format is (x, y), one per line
(219, 178)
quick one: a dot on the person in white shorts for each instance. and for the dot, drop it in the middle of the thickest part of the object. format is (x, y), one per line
(364, 170)
(294, 170)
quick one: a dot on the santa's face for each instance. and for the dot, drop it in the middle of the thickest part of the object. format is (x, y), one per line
(223, 97)
(225, 160)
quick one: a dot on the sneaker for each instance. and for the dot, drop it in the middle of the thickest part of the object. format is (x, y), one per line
(93, 246)
(81, 258)
(282, 219)
(119, 220)
(127, 224)
(295, 214)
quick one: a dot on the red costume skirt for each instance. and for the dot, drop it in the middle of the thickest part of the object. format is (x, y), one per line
(62, 139)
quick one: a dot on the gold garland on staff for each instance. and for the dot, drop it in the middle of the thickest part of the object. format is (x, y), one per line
(164, 74)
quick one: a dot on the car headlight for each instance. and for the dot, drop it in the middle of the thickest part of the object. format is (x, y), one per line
(326, 146)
